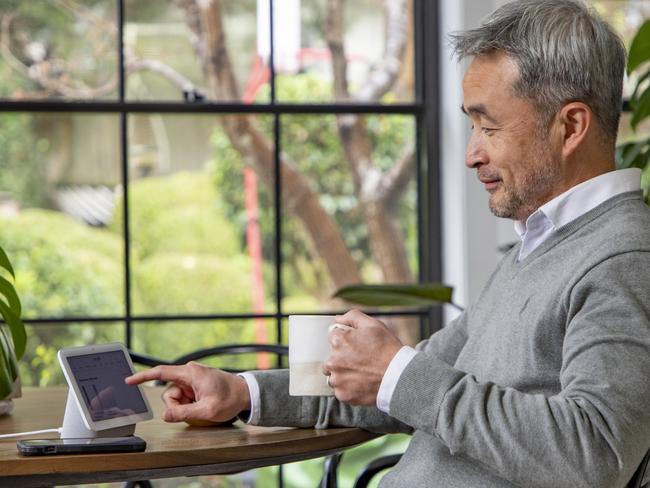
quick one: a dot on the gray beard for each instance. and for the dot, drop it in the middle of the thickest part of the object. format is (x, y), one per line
(521, 201)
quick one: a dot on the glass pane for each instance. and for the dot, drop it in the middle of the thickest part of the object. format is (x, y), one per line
(40, 366)
(59, 175)
(407, 328)
(626, 16)
(201, 217)
(377, 59)
(350, 206)
(58, 50)
(173, 339)
(626, 133)
(309, 473)
(173, 55)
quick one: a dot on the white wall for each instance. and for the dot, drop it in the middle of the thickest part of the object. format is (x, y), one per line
(471, 234)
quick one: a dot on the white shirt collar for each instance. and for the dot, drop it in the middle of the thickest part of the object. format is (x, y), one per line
(572, 204)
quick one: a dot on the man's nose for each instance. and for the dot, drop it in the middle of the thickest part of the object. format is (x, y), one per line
(475, 154)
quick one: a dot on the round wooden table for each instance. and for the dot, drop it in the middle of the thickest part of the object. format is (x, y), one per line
(172, 449)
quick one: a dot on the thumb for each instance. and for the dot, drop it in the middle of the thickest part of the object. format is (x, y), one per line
(180, 413)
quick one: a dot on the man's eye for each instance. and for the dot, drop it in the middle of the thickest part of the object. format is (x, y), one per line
(488, 130)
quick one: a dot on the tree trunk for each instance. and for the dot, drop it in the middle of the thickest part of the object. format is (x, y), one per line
(205, 18)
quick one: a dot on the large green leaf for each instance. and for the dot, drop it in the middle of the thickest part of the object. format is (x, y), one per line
(9, 357)
(10, 309)
(633, 154)
(16, 327)
(4, 262)
(6, 376)
(397, 295)
(640, 88)
(640, 48)
(8, 292)
(641, 109)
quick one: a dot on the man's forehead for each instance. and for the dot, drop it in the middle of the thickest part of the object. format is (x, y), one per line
(494, 67)
(488, 84)
(478, 110)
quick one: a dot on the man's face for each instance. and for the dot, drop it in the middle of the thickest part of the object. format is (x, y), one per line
(514, 157)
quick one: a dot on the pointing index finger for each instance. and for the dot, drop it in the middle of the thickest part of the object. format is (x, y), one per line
(164, 373)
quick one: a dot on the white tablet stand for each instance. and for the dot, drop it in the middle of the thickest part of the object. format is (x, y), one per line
(74, 426)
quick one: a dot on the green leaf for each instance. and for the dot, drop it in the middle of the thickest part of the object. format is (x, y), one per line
(634, 98)
(641, 109)
(640, 48)
(9, 358)
(397, 295)
(633, 154)
(16, 327)
(8, 291)
(4, 262)
(6, 381)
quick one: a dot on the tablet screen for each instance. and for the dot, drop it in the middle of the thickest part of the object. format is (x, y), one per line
(100, 377)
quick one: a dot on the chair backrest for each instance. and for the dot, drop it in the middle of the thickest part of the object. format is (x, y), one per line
(639, 479)
(227, 349)
(233, 349)
(375, 467)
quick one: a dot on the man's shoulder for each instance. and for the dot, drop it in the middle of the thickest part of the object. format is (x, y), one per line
(621, 222)
(619, 226)
(628, 220)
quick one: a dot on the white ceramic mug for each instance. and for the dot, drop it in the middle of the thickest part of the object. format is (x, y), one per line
(309, 348)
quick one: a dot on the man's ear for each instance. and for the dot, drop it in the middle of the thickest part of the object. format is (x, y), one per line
(575, 119)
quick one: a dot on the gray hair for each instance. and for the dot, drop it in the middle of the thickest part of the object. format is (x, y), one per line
(565, 52)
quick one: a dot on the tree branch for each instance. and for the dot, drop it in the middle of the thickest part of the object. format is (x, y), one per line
(204, 18)
(134, 65)
(397, 178)
(41, 72)
(51, 74)
(334, 33)
(14, 62)
(388, 70)
(386, 239)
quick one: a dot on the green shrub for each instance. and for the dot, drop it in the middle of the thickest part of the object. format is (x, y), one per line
(177, 283)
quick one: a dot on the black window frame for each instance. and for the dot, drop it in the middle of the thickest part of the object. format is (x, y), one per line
(424, 109)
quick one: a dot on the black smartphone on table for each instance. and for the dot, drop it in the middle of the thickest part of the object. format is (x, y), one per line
(44, 447)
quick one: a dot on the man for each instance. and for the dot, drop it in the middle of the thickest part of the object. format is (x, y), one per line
(545, 381)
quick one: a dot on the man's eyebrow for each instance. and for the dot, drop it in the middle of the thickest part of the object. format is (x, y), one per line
(478, 109)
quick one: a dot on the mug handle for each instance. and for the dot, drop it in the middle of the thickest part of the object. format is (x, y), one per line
(342, 327)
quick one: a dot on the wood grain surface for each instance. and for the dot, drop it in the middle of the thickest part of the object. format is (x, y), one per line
(172, 449)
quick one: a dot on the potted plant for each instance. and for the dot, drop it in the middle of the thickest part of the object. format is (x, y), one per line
(636, 154)
(12, 346)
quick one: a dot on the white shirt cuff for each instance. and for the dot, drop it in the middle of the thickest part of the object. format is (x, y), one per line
(254, 394)
(391, 377)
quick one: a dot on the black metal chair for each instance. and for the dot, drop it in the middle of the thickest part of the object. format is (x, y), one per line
(227, 349)
(639, 479)
(385, 462)
(281, 352)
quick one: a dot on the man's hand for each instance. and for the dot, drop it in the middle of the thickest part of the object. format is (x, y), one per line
(359, 358)
(198, 393)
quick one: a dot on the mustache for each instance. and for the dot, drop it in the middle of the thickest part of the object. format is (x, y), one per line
(484, 176)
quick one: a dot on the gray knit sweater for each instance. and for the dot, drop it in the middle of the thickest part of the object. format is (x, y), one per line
(544, 382)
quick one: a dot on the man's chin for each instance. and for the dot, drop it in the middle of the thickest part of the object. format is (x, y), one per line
(500, 209)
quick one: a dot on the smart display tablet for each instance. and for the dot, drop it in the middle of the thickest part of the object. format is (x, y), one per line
(96, 375)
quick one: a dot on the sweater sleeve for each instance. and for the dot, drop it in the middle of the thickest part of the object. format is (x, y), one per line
(593, 433)
(276, 407)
